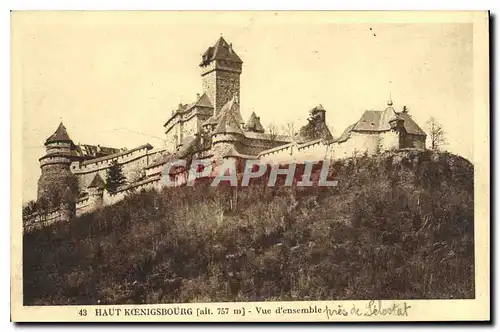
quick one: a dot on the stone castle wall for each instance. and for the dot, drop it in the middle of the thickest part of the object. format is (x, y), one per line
(42, 219)
(357, 143)
(121, 193)
(133, 163)
(293, 152)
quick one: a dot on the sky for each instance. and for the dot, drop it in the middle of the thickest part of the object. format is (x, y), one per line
(114, 78)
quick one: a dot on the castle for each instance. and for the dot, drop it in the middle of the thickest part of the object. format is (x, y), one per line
(210, 128)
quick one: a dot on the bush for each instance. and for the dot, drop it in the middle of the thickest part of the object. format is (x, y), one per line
(399, 225)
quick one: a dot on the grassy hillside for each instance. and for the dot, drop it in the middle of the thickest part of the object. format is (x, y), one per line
(399, 225)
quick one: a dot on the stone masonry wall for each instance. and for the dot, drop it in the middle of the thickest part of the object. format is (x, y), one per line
(220, 86)
(57, 181)
(42, 219)
(133, 165)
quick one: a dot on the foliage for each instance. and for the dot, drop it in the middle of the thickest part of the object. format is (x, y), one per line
(399, 225)
(436, 134)
(29, 207)
(114, 177)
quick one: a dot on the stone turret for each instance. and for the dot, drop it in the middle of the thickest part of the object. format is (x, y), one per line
(228, 129)
(96, 192)
(57, 183)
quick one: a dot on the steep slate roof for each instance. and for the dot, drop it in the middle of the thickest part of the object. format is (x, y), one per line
(60, 135)
(379, 121)
(86, 150)
(202, 101)
(254, 124)
(369, 121)
(228, 124)
(229, 118)
(220, 51)
(97, 182)
(230, 106)
(410, 125)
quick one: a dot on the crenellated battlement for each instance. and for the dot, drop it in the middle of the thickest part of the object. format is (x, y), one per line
(210, 128)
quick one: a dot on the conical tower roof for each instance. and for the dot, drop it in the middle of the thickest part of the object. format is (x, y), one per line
(388, 115)
(97, 182)
(60, 135)
(230, 119)
(253, 123)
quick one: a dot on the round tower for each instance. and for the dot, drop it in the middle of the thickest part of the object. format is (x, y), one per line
(57, 184)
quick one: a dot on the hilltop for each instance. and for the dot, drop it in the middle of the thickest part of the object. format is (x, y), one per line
(398, 225)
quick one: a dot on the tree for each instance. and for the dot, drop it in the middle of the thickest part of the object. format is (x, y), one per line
(273, 131)
(29, 208)
(436, 133)
(114, 177)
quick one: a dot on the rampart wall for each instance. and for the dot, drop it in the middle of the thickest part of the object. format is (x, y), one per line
(132, 161)
(42, 219)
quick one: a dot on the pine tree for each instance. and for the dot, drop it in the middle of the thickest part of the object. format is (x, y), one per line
(114, 177)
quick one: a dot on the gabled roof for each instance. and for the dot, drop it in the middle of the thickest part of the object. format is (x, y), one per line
(380, 121)
(202, 101)
(220, 51)
(97, 182)
(369, 121)
(60, 135)
(410, 125)
(253, 123)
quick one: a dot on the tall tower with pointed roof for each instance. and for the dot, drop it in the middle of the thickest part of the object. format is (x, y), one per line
(57, 183)
(220, 71)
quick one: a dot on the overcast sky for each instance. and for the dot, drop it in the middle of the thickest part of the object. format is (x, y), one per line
(115, 78)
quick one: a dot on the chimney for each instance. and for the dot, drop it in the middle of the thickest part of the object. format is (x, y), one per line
(197, 96)
(230, 47)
